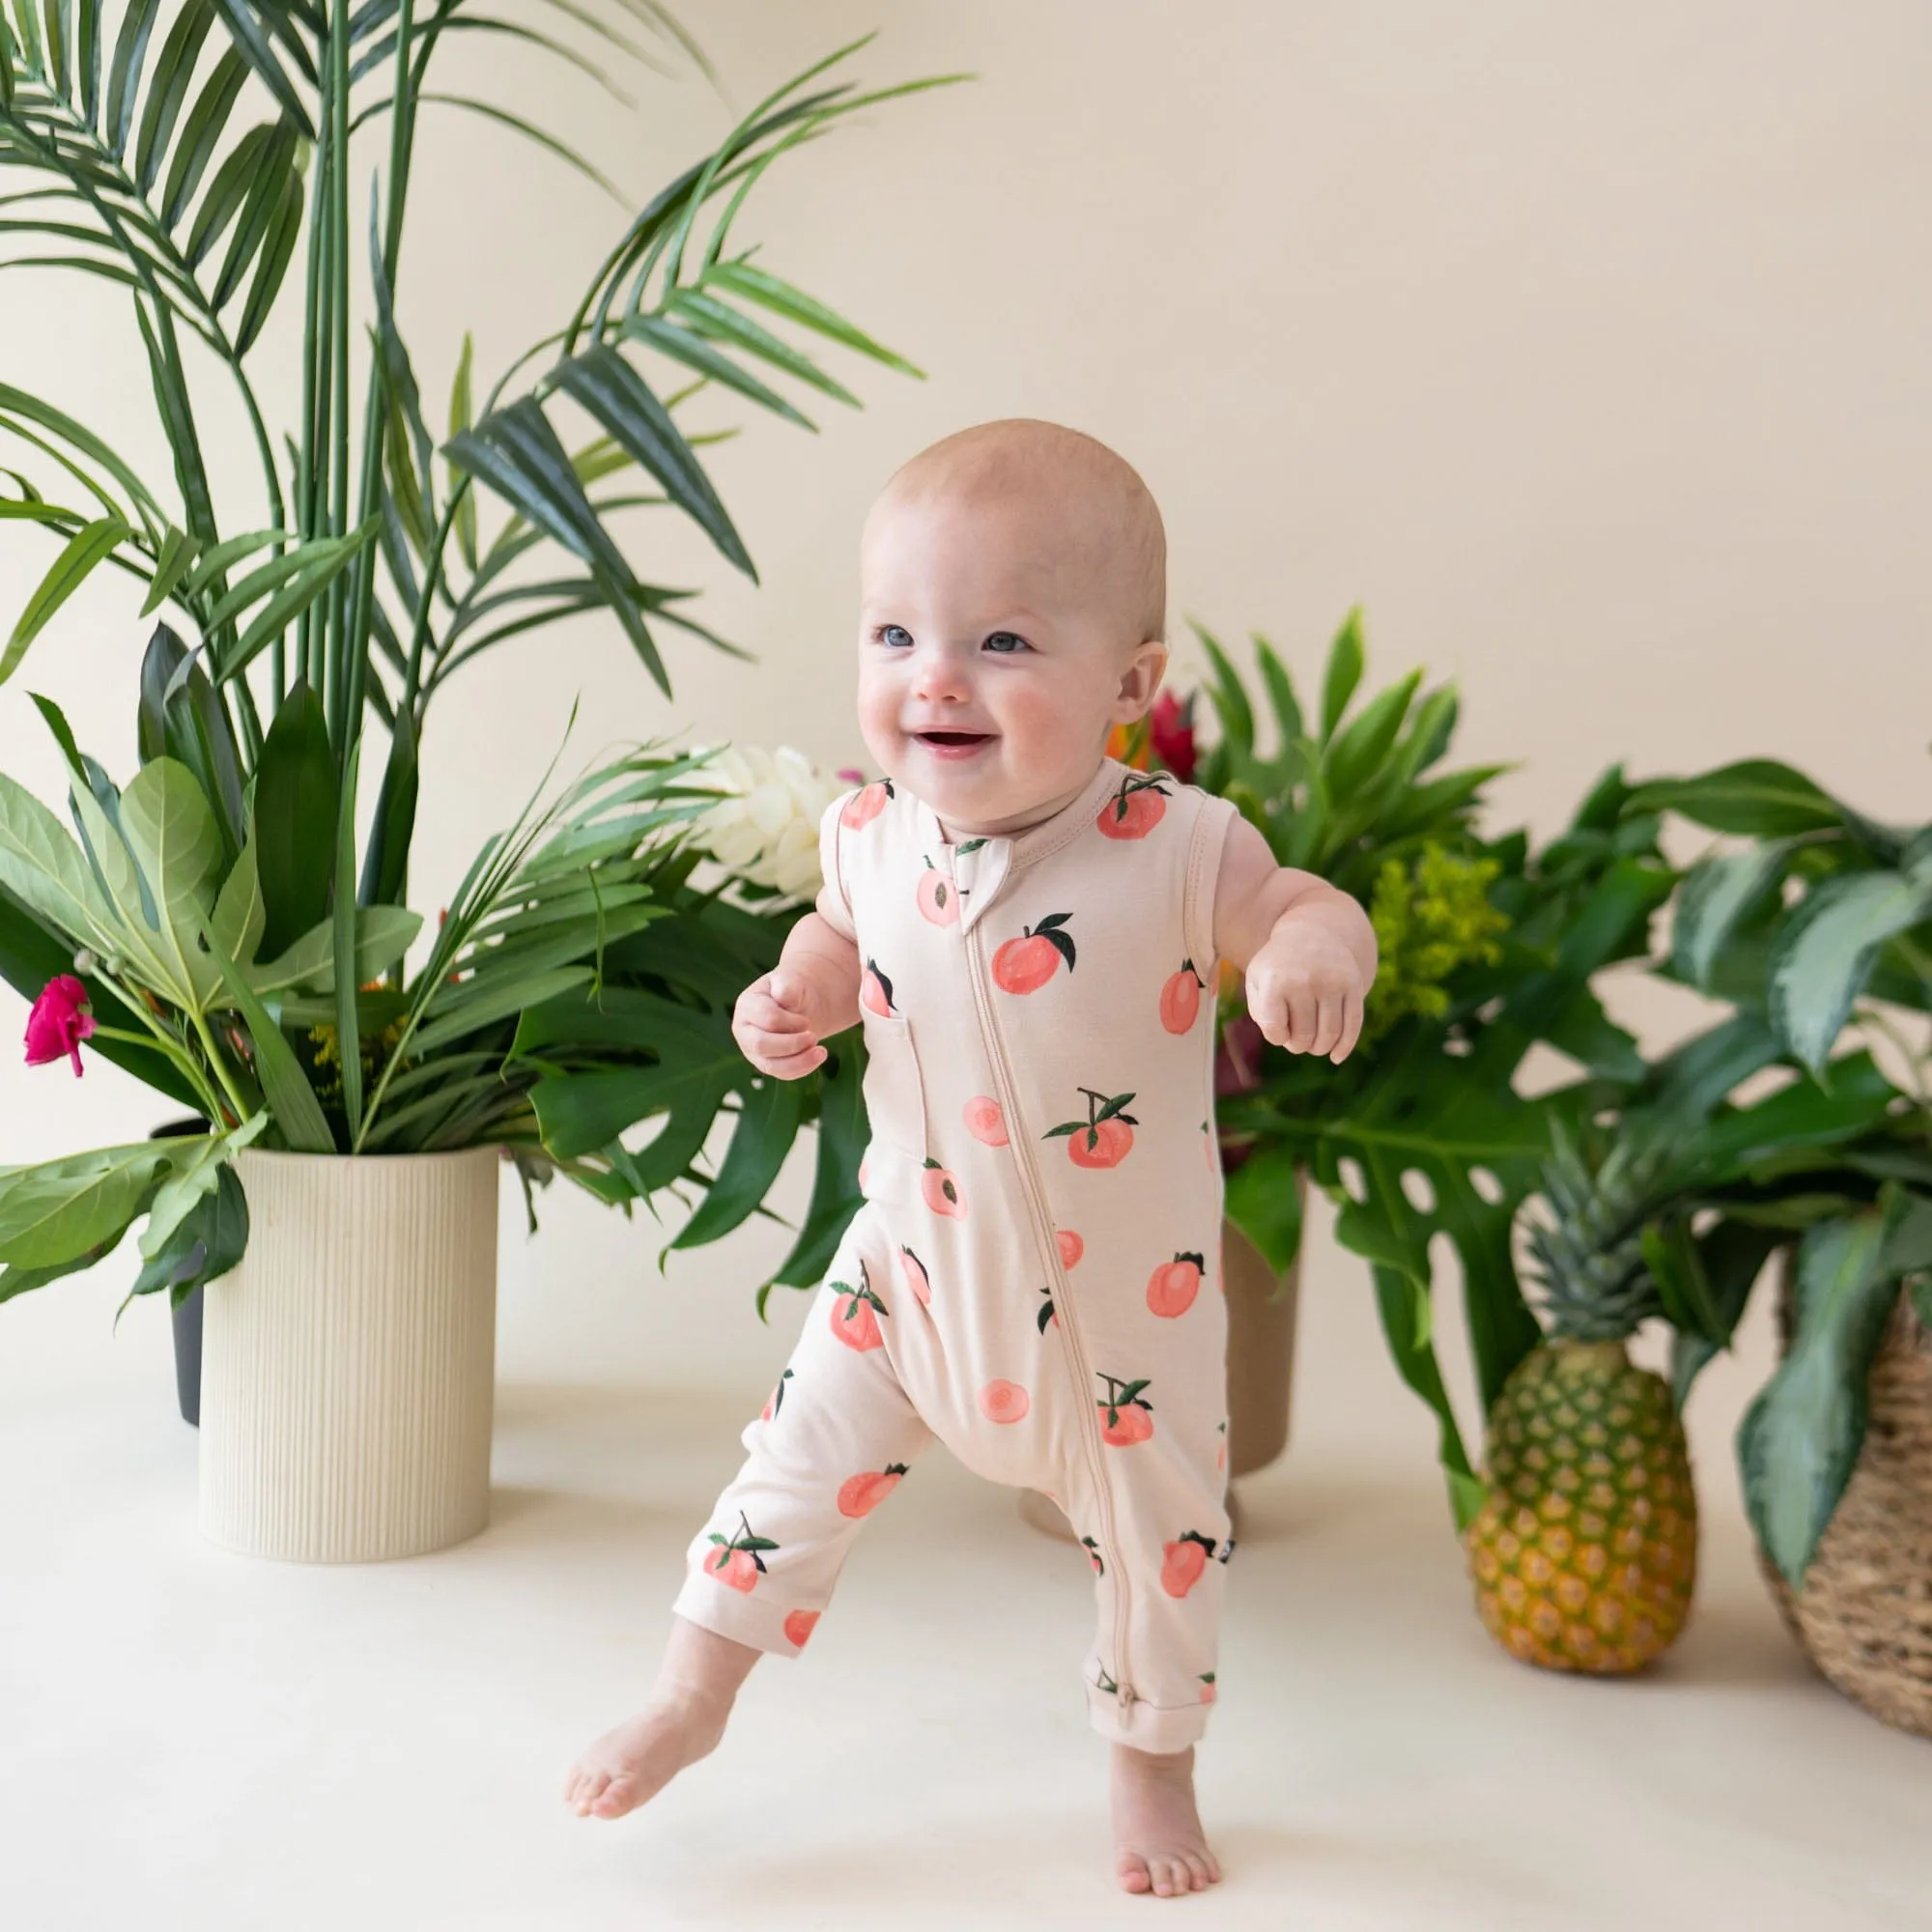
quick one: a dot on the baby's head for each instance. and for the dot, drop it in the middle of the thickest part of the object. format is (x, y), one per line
(1013, 605)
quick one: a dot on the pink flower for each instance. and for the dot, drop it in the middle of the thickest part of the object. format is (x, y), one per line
(850, 774)
(1172, 728)
(60, 1021)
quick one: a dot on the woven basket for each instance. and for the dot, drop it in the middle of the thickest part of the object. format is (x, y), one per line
(1865, 1616)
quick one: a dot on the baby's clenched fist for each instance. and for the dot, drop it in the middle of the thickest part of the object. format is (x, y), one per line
(773, 1024)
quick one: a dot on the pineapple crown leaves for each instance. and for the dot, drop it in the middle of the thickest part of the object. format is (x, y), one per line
(1605, 1194)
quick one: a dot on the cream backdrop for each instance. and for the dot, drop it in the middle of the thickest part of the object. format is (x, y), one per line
(1584, 346)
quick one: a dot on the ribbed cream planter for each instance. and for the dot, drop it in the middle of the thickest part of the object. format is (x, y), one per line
(348, 1370)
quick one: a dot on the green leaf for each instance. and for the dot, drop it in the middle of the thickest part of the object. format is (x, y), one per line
(17, 402)
(235, 924)
(695, 353)
(1353, 759)
(835, 1189)
(385, 864)
(343, 948)
(85, 549)
(724, 324)
(124, 76)
(760, 286)
(174, 72)
(261, 211)
(1822, 962)
(182, 718)
(242, 23)
(1344, 672)
(171, 834)
(297, 1114)
(208, 1241)
(177, 558)
(192, 1182)
(321, 562)
(620, 399)
(278, 247)
(202, 134)
(1757, 797)
(383, 934)
(1715, 896)
(59, 1210)
(1801, 1438)
(47, 872)
(296, 796)
(1264, 1200)
(171, 394)
(769, 1117)
(460, 411)
(1402, 1304)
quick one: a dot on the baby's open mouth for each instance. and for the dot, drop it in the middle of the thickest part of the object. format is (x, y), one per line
(952, 737)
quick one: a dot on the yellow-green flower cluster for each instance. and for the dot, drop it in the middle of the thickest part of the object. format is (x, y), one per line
(376, 1051)
(1427, 922)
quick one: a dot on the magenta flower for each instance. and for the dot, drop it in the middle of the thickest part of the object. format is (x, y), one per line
(1172, 730)
(60, 1021)
(850, 774)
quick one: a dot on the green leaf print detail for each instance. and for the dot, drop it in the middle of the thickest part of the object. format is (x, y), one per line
(970, 845)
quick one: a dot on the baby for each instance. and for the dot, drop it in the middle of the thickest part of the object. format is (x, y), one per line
(1029, 932)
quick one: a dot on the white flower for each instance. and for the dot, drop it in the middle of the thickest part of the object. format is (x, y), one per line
(765, 825)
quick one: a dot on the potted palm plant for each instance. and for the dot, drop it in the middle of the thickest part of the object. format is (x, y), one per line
(217, 925)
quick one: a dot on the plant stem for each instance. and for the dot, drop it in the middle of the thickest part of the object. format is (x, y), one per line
(220, 1067)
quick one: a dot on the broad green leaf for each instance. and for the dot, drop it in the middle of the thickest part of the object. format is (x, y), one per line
(297, 1114)
(193, 1181)
(57, 1209)
(210, 1241)
(1757, 797)
(175, 560)
(1357, 756)
(182, 718)
(1801, 1438)
(1825, 956)
(835, 1189)
(296, 794)
(769, 1116)
(47, 872)
(343, 948)
(1716, 895)
(1264, 1200)
(236, 925)
(383, 933)
(385, 864)
(84, 550)
(1403, 1303)
(171, 834)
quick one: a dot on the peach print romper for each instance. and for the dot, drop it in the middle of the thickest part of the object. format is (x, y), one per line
(1035, 1275)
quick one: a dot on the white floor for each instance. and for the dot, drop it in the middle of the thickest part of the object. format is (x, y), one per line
(192, 1739)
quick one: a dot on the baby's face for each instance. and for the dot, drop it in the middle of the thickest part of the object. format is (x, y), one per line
(994, 655)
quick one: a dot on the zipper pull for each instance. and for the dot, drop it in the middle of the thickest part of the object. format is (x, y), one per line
(1126, 1696)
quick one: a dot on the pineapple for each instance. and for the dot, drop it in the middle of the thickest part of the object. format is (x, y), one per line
(1586, 1551)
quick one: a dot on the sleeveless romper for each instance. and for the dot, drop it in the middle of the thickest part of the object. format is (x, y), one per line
(1034, 1273)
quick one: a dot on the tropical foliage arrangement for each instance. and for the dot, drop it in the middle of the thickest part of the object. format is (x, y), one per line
(216, 927)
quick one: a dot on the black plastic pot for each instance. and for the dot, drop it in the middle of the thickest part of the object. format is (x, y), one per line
(187, 1316)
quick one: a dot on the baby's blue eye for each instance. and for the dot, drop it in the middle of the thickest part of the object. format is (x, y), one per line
(1002, 640)
(896, 636)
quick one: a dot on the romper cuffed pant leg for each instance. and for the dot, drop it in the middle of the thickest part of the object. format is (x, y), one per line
(1172, 1533)
(836, 1434)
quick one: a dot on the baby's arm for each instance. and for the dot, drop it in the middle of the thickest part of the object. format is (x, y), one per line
(1306, 948)
(810, 995)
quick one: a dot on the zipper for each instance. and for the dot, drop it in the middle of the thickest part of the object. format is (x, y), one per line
(1062, 1302)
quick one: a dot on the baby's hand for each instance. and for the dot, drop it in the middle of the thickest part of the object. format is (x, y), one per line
(1306, 988)
(773, 1024)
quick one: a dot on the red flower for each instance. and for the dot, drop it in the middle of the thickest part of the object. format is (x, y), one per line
(60, 1021)
(1173, 731)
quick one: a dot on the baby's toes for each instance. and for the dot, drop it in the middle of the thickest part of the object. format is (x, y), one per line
(615, 1797)
(1198, 1876)
(1135, 1874)
(589, 1788)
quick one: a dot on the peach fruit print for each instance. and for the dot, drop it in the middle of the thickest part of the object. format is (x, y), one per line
(861, 1495)
(737, 1561)
(1183, 1563)
(776, 1399)
(1180, 999)
(1135, 808)
(875, 990)
(1071, 1246)
(1026, 964)
(1207, 1687)
(1127, 1416)
(1172, 1285)
(866, 804)
(1105, 1137)
(940, 1190)
(1004, 1401)
(985, 1121)
(916, 1278)
(1093, 1550)
(1046, 1314)
(938, 898)
(798, 1626)
(855, 1315)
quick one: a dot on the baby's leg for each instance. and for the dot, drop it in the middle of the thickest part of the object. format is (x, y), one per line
(1150, 1689)
(834, 1438)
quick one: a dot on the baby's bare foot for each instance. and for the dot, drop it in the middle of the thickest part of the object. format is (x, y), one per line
(631, 1764)
(1158, 1843)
